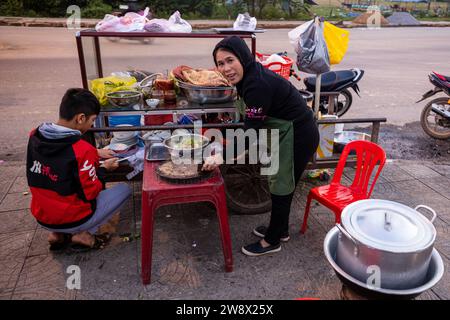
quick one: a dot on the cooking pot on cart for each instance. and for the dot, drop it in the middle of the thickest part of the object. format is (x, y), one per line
(205, 94)
(389, 236)
(186, 146)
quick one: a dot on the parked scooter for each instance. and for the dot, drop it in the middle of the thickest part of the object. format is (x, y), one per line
(435, 116)
(336, 81)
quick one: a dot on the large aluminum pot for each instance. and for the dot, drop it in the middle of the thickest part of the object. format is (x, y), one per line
(369, 290)
(386, 237)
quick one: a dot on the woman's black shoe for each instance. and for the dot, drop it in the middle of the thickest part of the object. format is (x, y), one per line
(262, 230)
(256, 249)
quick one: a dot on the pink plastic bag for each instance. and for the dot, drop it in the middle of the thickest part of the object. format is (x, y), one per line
(131, 21)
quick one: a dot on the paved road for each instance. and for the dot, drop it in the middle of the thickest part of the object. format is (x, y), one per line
(37, 65)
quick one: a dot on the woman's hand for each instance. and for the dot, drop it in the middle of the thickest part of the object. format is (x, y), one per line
(212, 162)
(105, 153)
(111, 164)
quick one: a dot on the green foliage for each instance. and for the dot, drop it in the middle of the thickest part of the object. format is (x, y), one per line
(271, 12)
(189, 9)
(48, 8)
(11, 8)
(96, 9)
(228, 9)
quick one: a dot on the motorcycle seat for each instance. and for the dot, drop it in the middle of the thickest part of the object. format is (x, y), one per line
(330, 80)
(442, 77)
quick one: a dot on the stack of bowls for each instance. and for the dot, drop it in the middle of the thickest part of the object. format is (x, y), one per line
(128, 138)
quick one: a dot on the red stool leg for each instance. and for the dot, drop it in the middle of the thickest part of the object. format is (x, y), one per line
(222, 214)
(148, 211)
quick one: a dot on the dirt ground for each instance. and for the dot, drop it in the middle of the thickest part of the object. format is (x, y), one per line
(409, 142)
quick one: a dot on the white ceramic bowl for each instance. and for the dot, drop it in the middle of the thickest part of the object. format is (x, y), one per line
(124, 135)
(152, 103)
(118, 147)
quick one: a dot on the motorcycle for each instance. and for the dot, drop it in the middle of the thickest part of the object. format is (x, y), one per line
(435, 116)
(336, 81)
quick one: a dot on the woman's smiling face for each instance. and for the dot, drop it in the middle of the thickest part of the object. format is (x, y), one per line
(229, 66)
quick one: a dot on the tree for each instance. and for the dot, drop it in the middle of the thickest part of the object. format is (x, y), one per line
(51, 8)
(11, 8)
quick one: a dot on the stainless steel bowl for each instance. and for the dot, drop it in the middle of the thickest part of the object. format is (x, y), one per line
(178, 149)
(122, 99)
(434, 274)
(202, 95)
(342, 138)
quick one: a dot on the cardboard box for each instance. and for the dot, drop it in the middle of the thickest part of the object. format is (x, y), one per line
(325, 149)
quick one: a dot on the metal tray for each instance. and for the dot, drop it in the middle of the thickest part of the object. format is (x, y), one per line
(157, 152)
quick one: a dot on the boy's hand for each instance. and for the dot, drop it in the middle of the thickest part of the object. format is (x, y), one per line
(212, 162)
(105, 153)
(111, 164)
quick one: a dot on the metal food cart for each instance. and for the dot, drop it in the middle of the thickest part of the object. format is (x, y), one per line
(237, 177)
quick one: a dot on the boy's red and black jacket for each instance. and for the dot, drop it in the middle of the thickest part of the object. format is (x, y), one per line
(63, 177)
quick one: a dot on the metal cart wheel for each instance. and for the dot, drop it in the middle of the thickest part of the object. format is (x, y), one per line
(247, 191)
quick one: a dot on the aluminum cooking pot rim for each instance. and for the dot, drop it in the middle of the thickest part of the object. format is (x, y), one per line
(388, 226)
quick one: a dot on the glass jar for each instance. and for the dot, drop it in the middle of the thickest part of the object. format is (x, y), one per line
(170, 97)
(157, 94)
(164, 84)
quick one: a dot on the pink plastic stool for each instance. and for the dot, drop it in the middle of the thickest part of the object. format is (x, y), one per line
(157, 193)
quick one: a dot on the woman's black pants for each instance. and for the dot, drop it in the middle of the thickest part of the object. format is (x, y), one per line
(306, 141)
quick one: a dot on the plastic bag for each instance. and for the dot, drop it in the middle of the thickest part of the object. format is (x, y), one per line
(312, 53)
(131, 21)
(245, 22)
(337, 42)
(157, 25)
(177, 24)
(101, 86)
(294, 34)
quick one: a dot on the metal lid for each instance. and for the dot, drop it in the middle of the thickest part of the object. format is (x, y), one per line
(388, 226)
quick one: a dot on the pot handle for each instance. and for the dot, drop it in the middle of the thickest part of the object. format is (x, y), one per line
(429, 209)
(341, 229)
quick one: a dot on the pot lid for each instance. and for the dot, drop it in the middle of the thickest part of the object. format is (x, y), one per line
(388, 225)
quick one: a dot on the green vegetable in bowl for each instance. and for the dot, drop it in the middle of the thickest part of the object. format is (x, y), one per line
(188, 143)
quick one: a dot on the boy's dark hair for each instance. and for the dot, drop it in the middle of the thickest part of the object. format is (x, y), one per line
(78, 100)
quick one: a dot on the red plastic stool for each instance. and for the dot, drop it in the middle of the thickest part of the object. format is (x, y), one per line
(157, 193)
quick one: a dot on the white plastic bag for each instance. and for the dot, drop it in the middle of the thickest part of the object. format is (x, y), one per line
(177, 24)
(157, 25)
(131, 21)
(312, 51)
(245, 22)
(294, 34)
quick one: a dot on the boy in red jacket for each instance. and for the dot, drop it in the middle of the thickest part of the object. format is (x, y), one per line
(65, 178)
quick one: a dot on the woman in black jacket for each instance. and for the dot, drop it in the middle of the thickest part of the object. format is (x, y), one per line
(271, 102)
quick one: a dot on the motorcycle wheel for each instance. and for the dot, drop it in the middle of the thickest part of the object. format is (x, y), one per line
(246, 190)
(433, 124)
(147, 40)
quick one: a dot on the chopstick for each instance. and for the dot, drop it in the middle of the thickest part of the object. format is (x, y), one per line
(120, 160)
